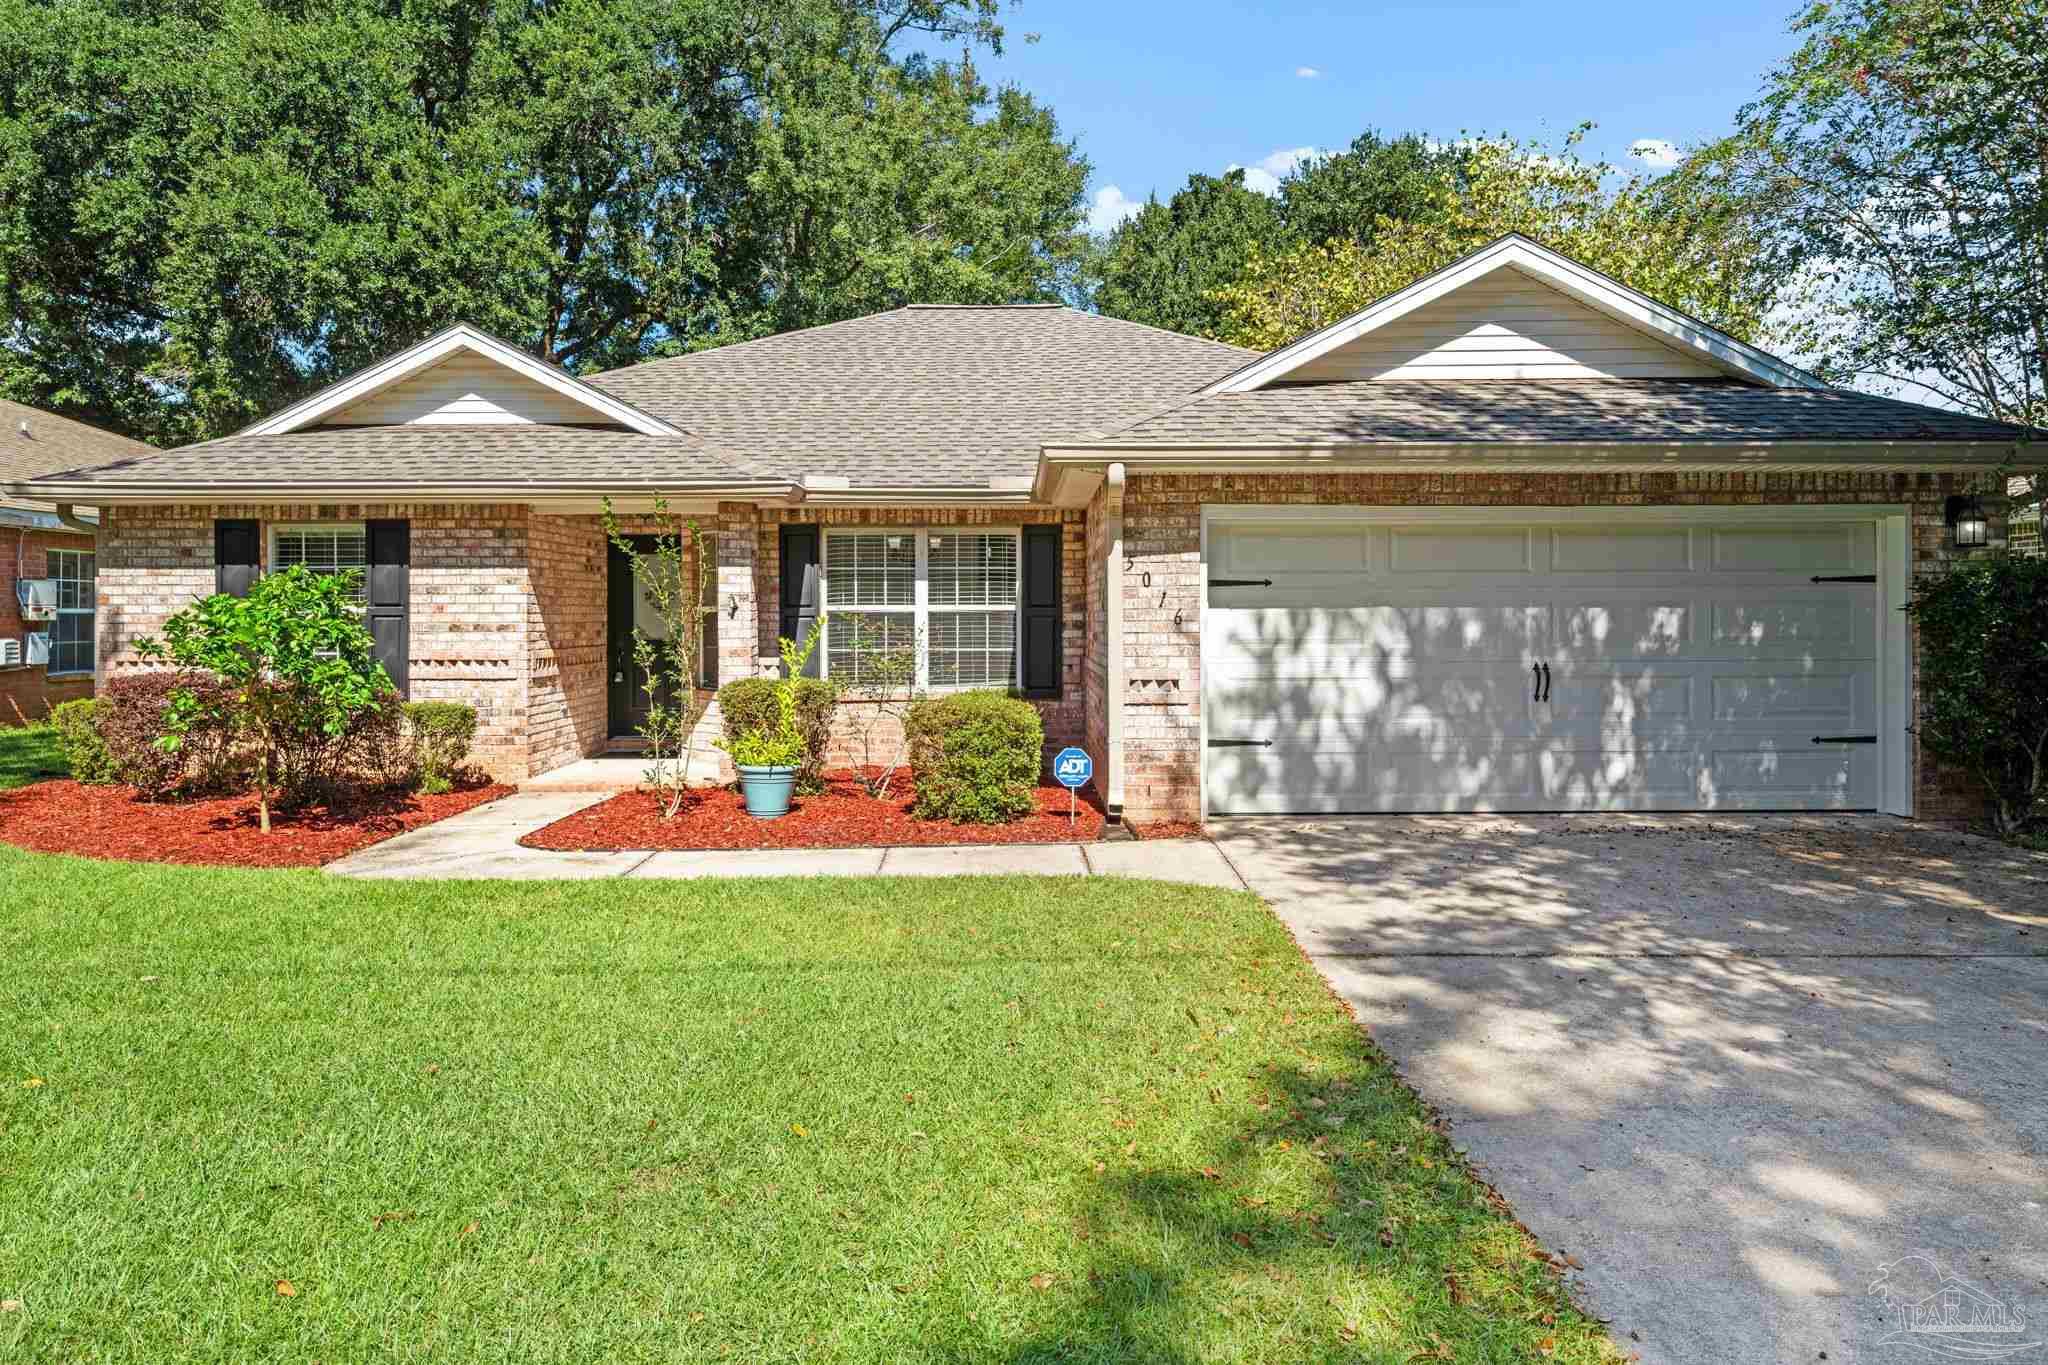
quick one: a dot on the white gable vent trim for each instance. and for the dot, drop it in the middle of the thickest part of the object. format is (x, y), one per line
(1597, 291)
(461, 337)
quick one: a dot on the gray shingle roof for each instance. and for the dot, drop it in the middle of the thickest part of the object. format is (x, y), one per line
(1374, 411)
(52, 443)
(568, 458)
(924, 396)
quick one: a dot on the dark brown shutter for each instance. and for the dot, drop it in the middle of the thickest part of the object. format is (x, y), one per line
(800, 590)
(237, 546)
(387, 591)
(1041, 611)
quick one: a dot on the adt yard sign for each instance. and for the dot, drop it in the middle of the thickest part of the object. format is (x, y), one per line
(1072, 768)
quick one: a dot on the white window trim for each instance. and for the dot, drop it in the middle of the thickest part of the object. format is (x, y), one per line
(92, 636)
(920, 605)
(276, 529)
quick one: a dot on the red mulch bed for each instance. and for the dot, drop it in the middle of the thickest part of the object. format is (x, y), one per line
(841, 816)
(110, 822)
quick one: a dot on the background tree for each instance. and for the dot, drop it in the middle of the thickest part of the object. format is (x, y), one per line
(210, 207)
(1164, 265)
(1895, 165)
(1686, 250)
(1347, 194)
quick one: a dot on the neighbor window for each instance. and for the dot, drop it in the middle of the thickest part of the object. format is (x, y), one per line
(71, 634)
(951, 596)
(332, 547)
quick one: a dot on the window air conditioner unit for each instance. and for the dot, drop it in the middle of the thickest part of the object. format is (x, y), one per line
(38, 598)
(10, 653)
(38, 648)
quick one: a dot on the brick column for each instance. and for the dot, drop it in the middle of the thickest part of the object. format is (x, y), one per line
(736, 547)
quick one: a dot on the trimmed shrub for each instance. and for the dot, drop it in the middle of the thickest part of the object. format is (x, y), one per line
(442, 733)
(1983, 706)
(78, 735)
(974, 757)
(749, 704)
(132, 716)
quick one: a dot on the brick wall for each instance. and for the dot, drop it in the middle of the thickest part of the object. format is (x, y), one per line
(567, 699)
(29, 691)
(1064, 718)
(470, 591)
(1161, 582)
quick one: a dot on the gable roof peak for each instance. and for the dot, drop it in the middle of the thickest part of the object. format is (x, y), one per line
(1590, 288)
(451, 340)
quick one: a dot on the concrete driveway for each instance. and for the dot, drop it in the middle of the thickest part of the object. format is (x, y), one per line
(1734, 1066)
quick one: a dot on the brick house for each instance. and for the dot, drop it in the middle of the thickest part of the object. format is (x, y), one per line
(1516, 537)
(47, 563)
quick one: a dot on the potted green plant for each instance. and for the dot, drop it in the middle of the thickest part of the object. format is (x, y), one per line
(769, 757)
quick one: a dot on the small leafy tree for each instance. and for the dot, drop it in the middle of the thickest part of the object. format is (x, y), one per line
(882, 689)
(296, 660)
(676, 589)
(1983, 661)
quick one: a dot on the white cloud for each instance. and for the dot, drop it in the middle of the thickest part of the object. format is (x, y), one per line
(1307, 73)
(1110, 207)
(1267, 175)
(1654, 152)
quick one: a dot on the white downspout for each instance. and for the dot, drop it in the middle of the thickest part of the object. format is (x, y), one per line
(1113, 629)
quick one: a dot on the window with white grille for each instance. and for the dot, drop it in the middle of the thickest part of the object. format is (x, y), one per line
(71, 634)
(334, 547)
(951, 596)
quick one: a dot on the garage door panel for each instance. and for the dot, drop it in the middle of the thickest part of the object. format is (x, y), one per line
(1829, 699)
(1313, 551)
(1302, 780)
(1460, 550)
(1828, 627)
(1609, 552)
(1817, 548)
(1825, 775)
(1507, 631)
(1358, 705)
(1620, 778)
(1618, 702)
(1659, 626)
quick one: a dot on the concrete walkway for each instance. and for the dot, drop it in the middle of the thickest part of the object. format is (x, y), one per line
(484, 843)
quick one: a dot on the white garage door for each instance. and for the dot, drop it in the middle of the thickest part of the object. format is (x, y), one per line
(1539, 666)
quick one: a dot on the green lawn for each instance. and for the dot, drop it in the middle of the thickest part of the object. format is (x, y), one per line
(29, 753)
(951, 1120)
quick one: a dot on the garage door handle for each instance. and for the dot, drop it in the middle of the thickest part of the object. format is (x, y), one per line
(1537, 670)
(1240, 582)
(1240, 743)
(1845, 739)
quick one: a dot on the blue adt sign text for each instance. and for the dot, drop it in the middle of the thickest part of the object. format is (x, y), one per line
(1072, 768)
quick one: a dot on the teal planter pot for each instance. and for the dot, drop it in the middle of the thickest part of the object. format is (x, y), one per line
(767, 790)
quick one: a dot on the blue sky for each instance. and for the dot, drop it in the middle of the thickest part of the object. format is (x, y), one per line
(1155, 89)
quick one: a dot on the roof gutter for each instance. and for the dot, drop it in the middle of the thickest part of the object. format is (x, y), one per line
(69, 518)
(357, 490)
(1068, 475)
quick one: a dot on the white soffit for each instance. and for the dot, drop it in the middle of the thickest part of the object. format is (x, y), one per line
(415, 360)
(1631, 308)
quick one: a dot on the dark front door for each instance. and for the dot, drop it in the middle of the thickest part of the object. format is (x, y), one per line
(628, 607)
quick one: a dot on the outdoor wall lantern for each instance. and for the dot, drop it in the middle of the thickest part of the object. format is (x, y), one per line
(1967, 522)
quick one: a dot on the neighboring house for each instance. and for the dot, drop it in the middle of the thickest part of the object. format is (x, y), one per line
(47, 600)
(1516, 537)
